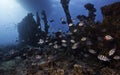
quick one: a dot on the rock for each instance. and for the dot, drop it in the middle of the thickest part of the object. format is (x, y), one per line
(52, 71)
(40, 73)
(60, 72)
(8, 65)
(21, 69)
(43, 64)
(77, 70)
(109, 71)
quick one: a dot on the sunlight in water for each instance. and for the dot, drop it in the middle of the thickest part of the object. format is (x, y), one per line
(11, 13)
(8, 4)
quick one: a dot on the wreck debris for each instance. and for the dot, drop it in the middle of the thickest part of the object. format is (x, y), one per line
(28, 29)
(90, 19)
(65, 5)
(45, 21)
(111, 14)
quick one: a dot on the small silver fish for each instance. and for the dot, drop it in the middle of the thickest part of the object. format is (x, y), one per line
(70, 24)
(38, 57)
(75, 30)
(103, 58)
(46, 40)
(41, 41)
(108, 37)
(73, 20)
(60, 36)
(34, 64)
(63, 41)
(12, 51)
(116, 57)
(24, 54)
(39, 27)
(62, 19)
(92, 51)
(70, 33)
(56, 46)
(64, 45)
(81, 24)
(75, 46)
(86, 55)
(50, 44)
(55, 42)
(72, 41)
(83, 39)
(112, 51)
(60, 30)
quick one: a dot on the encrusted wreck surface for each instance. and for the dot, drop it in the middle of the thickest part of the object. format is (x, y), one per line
(111, 14)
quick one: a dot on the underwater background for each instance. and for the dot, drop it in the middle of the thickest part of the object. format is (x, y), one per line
(60, 37)
(13, 11)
